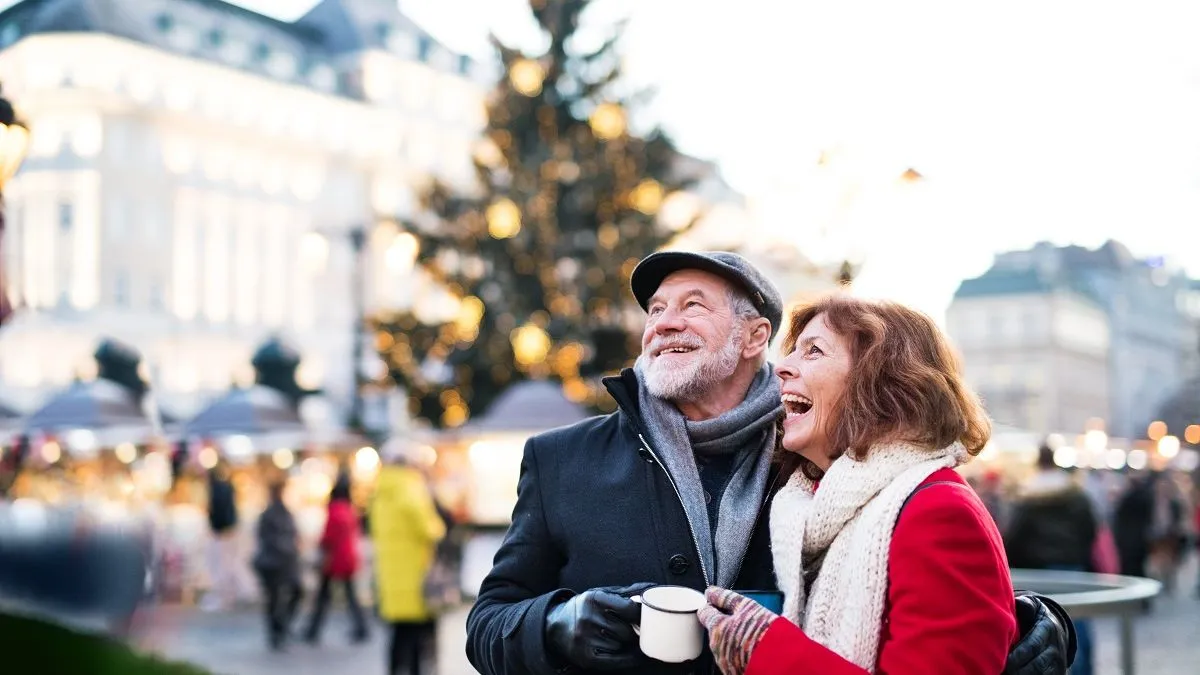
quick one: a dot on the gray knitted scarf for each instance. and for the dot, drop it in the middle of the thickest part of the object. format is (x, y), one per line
(749, 431)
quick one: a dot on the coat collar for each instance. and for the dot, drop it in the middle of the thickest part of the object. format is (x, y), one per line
(624, 390)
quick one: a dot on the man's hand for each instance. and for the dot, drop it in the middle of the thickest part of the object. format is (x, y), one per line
(735, 624)
(1048, 642)
(594, 630)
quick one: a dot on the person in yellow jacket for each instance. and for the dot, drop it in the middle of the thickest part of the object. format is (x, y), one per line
(405, 528)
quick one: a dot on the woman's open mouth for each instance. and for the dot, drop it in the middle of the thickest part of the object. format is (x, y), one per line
(796, 405)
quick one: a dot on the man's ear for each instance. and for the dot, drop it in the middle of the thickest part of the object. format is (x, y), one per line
(758, 338)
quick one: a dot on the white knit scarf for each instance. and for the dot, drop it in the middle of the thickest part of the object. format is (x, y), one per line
(842, 532)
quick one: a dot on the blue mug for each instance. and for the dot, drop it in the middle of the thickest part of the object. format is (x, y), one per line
(772, 600)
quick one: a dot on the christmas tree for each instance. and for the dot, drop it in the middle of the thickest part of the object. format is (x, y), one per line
(540, 257)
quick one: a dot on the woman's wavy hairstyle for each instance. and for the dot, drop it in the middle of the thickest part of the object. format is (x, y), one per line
(905, 381)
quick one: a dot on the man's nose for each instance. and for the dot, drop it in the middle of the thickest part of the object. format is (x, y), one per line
(669, 322)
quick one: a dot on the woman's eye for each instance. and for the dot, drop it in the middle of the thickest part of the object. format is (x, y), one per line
(814, 350)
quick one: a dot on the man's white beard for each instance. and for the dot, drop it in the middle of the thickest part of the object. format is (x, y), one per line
(696, 379)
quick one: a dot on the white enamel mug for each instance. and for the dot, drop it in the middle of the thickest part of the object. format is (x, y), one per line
(670, 631)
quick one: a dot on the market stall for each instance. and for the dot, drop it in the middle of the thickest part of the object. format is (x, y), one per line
(94, 444)
(478, 464)
(260, 435)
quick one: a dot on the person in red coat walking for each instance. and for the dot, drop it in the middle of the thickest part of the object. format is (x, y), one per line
(889, 563)
(339, 545)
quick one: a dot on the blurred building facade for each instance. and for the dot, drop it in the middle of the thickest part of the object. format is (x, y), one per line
(197, 171)
(199, 174)
(1054, 337)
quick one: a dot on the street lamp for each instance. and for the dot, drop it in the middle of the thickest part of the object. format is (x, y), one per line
(358, 241)
(14, 142)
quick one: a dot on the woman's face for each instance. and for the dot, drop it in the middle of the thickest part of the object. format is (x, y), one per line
(813, 379)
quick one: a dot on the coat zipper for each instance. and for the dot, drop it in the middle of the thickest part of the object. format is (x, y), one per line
(691, 528)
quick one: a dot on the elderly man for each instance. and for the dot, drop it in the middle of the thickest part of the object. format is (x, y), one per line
(670, 489)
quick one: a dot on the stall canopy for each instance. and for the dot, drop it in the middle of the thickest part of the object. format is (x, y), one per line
(251, 411)
(529, 406)
(267, 413)
(8, 415)
(10, 421)
(100, 406)
(109, 406)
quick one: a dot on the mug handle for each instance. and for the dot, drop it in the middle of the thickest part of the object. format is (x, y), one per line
(637, 629)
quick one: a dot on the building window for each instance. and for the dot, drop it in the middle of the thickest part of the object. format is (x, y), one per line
(9, 34)
(323, 77)
(216, 37)
(121, 288)
(156, 296)
(184, 38)
(383, 31)
(424, 47)
(66, 217)
(262, 51)
(464, 65)
(185, 257)
(164, 22)
(216, 291)
(235, 51)
(281, 65)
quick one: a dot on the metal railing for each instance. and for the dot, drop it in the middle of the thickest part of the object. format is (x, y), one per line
(1086, 595)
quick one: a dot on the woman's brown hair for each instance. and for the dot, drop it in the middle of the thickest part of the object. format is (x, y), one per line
(905, 381)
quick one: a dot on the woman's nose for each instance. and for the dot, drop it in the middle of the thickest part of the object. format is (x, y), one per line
(786, 371)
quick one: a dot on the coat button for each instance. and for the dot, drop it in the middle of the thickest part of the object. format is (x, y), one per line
(645, 454)
(678, 565)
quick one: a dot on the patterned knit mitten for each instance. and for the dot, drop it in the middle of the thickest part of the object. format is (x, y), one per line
(735, 624)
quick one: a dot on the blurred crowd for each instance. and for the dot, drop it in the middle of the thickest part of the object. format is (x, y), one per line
(399, 542)
(1137, 523)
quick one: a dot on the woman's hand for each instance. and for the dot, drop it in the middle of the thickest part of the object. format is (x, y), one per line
(735, 624)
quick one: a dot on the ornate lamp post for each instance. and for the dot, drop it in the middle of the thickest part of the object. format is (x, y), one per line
(14, 142)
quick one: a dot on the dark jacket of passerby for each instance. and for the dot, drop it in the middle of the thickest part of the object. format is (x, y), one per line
(1052, 524)
(277, 552)
(1132, 520)
(594, 509)
(222, 511)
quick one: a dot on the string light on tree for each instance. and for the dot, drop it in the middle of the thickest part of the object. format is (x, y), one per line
(567, 203)
(470, 312)
(647, 197)
(503, 219)
(527, 76)
(608, 121)
(402, 253)
(488, 153)
(530, 344)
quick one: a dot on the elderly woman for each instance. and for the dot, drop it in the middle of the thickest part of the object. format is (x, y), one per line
(888, 561)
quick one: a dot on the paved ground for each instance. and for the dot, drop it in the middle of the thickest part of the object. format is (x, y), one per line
(232, 643)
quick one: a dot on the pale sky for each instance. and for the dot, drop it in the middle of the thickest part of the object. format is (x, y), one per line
(1073, 121)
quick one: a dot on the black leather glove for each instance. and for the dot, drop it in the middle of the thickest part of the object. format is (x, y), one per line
(594, 630)
(1047, 643)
